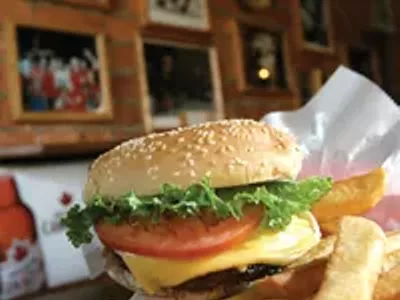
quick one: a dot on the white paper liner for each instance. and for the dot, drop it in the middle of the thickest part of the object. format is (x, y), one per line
(349, 127)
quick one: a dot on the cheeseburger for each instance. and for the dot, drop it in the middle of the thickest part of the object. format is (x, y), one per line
(199, 212)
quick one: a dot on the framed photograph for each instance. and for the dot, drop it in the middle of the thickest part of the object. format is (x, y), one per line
(190, 14)
(57, 75)
(96, 4)
(256, 5)
(182, 84)
(316, 25)
(382, 15)
(263, 60)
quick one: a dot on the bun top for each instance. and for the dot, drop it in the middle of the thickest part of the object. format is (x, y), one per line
(229, 152)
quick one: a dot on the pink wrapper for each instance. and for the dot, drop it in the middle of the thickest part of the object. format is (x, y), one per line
(349, 127)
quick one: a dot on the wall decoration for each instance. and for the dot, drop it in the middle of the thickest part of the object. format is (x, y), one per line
(382, 15)
(191, 14)
(96, 4)
(56, 75)
(256, 5)
(264, 59)
(316, 30)
(180, 78)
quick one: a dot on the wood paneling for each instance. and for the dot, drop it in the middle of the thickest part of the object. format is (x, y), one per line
(124, 26)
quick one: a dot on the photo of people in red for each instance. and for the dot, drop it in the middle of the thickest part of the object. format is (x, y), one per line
(58, 71)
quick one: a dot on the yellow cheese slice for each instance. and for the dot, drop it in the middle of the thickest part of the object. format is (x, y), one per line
(264, 247)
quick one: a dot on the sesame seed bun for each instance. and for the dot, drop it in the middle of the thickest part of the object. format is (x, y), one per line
(229, 152)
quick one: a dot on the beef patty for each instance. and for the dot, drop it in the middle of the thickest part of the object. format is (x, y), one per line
(229, 277)
(226, 278)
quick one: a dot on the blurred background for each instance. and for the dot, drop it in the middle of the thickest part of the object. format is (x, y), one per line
(78, 77)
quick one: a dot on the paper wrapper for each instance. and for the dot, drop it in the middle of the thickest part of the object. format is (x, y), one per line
(349, 127)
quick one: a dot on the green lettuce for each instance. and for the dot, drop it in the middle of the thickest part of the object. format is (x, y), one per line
(280, 200)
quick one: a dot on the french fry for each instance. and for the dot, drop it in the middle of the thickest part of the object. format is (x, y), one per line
(392, 260)
(355, 263)
(388, 285)
(330, 227)
(393, 241)
(353, 196)
(304, 276)
(324, 249)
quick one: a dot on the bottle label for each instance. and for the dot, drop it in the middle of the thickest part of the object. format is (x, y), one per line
(22, 272)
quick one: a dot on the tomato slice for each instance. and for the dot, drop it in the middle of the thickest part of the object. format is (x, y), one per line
(179, 238)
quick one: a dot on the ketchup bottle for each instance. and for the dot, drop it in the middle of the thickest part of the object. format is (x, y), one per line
(21, 264)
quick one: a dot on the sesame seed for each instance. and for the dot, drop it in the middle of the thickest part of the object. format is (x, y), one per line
(177, 173)
(192, 173)
(147, 157)
(191, 162)
(240, 161)
(181, 140)
(212, 142)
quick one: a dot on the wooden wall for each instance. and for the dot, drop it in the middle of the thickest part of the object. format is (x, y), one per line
(122, 25)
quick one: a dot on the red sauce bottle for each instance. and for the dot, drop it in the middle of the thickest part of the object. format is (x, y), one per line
(21, 265)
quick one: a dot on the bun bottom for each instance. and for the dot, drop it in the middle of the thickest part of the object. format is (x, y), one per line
(117, 271)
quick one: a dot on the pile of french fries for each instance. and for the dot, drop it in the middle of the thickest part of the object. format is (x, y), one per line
(355, 259)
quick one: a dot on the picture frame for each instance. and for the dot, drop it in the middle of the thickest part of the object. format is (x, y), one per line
(316, 32)
(49, 82)
(95, 4)
(382, 15)
(262, 58)
(192, 15)
(180, 83)
(256, 5)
